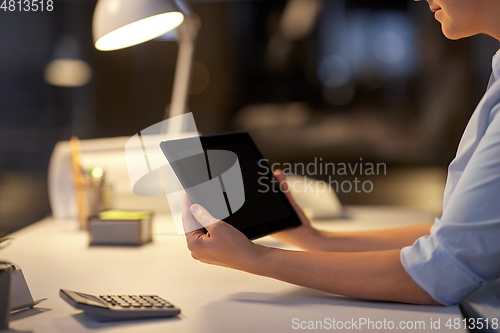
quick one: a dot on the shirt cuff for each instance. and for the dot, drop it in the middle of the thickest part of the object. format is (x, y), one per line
(437, 272)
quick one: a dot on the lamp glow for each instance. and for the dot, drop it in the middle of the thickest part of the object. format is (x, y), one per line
(139, 31)
(68, 73)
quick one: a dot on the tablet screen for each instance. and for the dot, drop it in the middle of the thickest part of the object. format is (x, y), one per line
(265, 209)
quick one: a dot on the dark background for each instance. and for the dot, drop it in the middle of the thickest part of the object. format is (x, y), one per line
(373, 79)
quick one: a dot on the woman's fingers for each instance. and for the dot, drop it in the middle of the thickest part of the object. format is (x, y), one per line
(203, 216)
(218, 243)
(284, 186)
(189, 222)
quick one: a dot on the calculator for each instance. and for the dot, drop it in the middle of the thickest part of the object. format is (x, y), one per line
(120, 307)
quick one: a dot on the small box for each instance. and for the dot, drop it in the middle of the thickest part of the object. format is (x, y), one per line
(119, 227)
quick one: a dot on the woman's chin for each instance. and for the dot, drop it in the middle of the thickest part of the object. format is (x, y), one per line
(451, 34)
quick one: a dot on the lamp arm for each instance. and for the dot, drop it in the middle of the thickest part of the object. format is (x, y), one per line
(187, 33)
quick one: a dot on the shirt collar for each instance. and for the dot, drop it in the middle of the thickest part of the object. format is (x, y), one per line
(496, 66)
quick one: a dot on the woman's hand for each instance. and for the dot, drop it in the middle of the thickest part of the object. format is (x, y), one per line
(218, 243)
(304, 236)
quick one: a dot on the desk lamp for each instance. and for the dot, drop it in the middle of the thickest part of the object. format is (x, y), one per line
(119, 24)
(68, 67)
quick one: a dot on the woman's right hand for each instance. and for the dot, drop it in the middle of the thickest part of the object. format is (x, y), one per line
(303, 236)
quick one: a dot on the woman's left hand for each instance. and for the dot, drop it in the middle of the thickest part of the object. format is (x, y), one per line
(218, 243)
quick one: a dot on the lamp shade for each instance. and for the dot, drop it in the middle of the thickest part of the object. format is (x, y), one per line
(122, 23)
(67, 67)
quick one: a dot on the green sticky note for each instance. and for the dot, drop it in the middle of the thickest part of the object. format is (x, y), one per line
(114, 214)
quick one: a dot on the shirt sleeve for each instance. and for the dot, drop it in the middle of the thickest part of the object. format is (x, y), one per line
(462, 252)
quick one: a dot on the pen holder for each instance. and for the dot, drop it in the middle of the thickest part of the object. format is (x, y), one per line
(4, 300)
(95, 200)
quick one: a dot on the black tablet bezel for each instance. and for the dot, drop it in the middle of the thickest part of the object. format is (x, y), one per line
(265, 228)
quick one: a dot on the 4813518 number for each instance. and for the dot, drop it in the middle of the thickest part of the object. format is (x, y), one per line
(27, 5)
(473, 323)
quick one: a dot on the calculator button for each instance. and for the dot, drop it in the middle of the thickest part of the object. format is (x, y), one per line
(158, 305)
(147, 305)
(136, 305)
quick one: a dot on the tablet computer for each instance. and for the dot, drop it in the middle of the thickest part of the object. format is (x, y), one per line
(264, 209)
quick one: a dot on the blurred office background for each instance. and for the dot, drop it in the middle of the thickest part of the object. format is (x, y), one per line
(336, 79)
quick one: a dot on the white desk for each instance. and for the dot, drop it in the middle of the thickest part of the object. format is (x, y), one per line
(54, 255)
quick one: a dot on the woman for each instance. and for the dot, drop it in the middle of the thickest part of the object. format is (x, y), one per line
(438, 263)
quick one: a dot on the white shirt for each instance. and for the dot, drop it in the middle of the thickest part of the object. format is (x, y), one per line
(462, 252)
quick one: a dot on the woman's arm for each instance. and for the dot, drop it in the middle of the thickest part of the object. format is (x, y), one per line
(377, 275)
(369, 275)
(374, 240)
(308, 238)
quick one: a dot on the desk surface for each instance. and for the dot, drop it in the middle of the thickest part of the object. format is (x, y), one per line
(54, 255)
